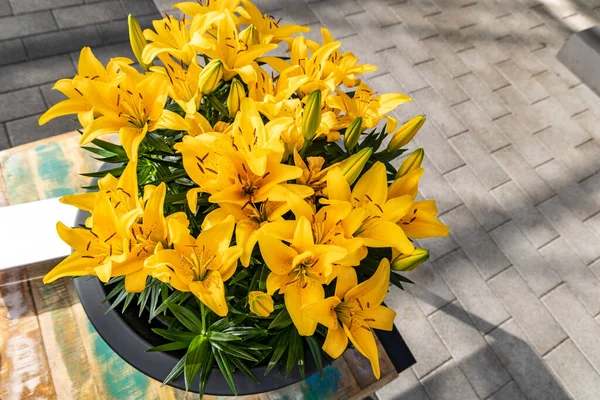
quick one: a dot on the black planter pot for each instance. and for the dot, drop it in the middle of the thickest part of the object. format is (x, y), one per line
(130, 336)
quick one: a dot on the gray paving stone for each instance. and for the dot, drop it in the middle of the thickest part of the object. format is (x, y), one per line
(438, 111)
(439, 246)
(398, 64)
(413, 19)
(569, 191)
(524, 214)
(405, 387)
(481, 125)
(469, 349)
(522, 108)
(530, 88)
(5, 8)
(594, 224)
(553, 111)
(480, 161)
(542, 330)
(430, 290)
(530, 373)
(25, 6)
(21, 103)
(434, 186)
(559, 89)
(370, 32)
(4, 143)
(476, 197)
(444, 158)
(300, 13)
(12, 51)
(576, 233)
(582, 282)
(576, 321)
(574, 371)
(438, 46)
(118, 31)
(418, 333)
(381, 12)
(363, 51)
(449, 383)
(71, 17)
(589, 122)
(482, 94)
(139, 7)
(50, 44)
(475, 241)
(525, 258)
(471, 290)
(591, 185)
(27, 130)
(17, 76)
(404, 40)
(105, 53)
(441, 80)
(27, 24)
(332, 16)
(480, 67)
(523, 175)
(509, 392)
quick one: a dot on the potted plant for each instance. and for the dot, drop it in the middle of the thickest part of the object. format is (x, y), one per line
(253, 214)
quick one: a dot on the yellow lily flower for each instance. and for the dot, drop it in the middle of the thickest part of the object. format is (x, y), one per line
(343, 67)
(88, 68)
(353, 312)
(365, 104)
(122, 193)
(200, 265)
(248, 164)
(236, 55)
(197, 8)
(251, 221)
(173, 37)
(312, 66)
(183, 83)
(267, 30)
(260, 303)
(418, 221)
(96, 249)
(373, 217)
(299, 271)
(132, 109)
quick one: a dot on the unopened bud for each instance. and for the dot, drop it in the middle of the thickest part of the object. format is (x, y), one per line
(405, 134)
(312, 116)
(412, 162)
(260, 303)
(353, 165)
(409, 262)
(137, 41)
(235, 97)
(353, 133)
(210, 77)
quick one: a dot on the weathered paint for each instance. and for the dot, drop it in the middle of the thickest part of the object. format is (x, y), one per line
(18, 176)
(53, 169)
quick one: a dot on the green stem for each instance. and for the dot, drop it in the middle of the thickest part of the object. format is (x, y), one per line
(203, 313)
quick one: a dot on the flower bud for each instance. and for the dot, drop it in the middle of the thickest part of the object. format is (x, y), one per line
(405, 134)
(312, 115)
(235, 97)
(137, 41)
(210, 77)
(352, 134)
(411, 163)
(260, 303)
(248, 36)
(408, 262)
(353, 165)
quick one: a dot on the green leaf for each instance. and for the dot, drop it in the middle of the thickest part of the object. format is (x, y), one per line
(243, 274)
(246, 331)
(101, 174)
(233, 350)
(128, 300)
(280, 345)
(244, 368)
(197, 351)
(223, 337)
(113, 148)
(225, 367)
(295, 350)
(315, 349)
(175, 297)
(118, 300)
(175, 335)
(158, 143)
(282, 320)
(98, 151)
(175, 372)
(170, 346)
(207, 367)
(186, 317)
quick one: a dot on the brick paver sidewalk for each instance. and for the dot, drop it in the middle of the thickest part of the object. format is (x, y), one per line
(509, 306)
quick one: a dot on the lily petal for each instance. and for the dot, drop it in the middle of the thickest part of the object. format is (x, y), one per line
(324, 311)
(371, 292)
(335, 342)
(297, 295)
(362, 338)
(211, 292)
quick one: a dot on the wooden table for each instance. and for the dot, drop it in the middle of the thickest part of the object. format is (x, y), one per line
(49, 349)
